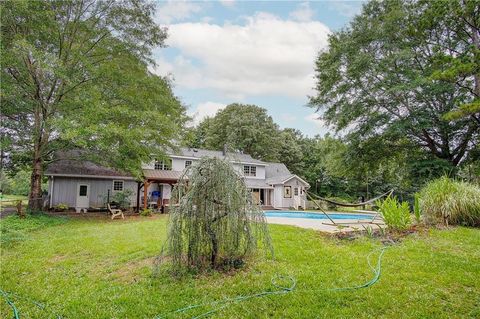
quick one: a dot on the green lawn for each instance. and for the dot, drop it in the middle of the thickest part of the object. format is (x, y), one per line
(10, 200)
(102, 269)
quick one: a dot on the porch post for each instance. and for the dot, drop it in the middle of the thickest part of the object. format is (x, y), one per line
(145, 192)
(158, 198)
(139, 187)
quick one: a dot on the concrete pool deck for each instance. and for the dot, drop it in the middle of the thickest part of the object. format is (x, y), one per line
(318, 224)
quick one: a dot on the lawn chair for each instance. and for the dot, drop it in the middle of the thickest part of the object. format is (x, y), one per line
(115, 212)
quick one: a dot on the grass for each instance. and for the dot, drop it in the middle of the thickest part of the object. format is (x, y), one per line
(103, 269)
(14, 229)
(10, 200)
(449, 200)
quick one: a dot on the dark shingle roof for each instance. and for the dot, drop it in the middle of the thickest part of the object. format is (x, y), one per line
(81, 167)
(74, 162)
(276, 173)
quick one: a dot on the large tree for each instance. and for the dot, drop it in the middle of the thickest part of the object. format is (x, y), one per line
(385, 75)
(75, 75)
(241, 127)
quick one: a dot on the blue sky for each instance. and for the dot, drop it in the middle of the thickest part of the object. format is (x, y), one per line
(252, 52)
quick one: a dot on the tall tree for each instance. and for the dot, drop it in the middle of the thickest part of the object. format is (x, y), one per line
(379, 77)
(75, 74)
(246, 128)
(290, 152)
(459, 23)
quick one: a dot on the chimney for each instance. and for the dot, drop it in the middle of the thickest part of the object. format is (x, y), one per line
(224, 150)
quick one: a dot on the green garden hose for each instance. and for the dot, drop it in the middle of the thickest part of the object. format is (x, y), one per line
(281, 290)
(11, 304)
(221, 304)
(16, 312)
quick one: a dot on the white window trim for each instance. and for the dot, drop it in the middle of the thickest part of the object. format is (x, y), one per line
(113, 185)
(164, 165)
(248, 172)
(190, 163)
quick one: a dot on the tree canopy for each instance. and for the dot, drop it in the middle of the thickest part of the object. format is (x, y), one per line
(384, 76)
(242, 127)
(75, 75)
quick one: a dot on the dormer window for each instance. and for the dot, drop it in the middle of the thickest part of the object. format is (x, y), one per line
(249, 170)
(163, 165)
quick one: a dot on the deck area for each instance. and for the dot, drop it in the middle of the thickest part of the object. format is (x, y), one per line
(324, 225)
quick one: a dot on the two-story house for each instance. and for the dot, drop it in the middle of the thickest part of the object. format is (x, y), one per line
(83, 184)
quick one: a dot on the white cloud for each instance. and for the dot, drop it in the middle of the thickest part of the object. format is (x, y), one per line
(228, 3)
(206, 109)
(287, 117)
(315, 119)
(303, 12)
(347, 9)
(172, 11)
(266, 55)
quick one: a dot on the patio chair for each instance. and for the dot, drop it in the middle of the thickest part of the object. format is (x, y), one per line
(115, 212)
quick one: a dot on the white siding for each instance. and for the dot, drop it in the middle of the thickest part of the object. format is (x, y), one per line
(278, 196)
(295, 201)
(260, 174)
(178, 164)
(65, 190)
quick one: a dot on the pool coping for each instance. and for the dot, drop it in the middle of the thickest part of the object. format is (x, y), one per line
(347, 225)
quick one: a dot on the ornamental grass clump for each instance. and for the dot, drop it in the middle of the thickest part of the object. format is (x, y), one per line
(214, 223)
(449, 201)
(395, 214)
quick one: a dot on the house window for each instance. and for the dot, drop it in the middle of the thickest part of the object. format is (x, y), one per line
(287, 191)
(249, 170)
(295, 191)
(117, 186)
(83, 190)
(188, 163)
(163, 165)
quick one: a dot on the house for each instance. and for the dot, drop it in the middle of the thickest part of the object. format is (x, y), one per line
(83, 184)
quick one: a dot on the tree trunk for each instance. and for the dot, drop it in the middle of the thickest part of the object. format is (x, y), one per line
(35, 197)
(213, 257)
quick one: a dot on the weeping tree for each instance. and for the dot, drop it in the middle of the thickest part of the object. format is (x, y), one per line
(215, 223)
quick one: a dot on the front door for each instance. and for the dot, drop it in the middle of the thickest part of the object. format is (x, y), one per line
(83, 196)
(296, 197)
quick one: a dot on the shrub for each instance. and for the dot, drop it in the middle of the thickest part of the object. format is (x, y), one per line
(61, 207)
(416, 208)
(395, 214)
(122, 199)
(451, 202)
(146, 212)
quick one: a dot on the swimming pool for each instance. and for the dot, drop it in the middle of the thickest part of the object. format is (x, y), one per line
(319, 215)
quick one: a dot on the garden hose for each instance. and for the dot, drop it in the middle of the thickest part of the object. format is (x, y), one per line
(11, 304)
(16, 312)
(280, 290)
(221, 304)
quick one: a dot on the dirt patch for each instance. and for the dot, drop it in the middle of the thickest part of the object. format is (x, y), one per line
(385, 236)
(57, 259)
(131, 271)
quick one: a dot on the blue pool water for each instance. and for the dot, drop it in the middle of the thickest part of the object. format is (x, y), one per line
(294, 214)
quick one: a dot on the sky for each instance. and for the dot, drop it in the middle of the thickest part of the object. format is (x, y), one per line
(250, 52)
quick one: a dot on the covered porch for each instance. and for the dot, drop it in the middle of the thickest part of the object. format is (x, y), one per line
(262, 196)
(155, 190)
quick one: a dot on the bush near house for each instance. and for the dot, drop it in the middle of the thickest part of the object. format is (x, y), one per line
(450, 202)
